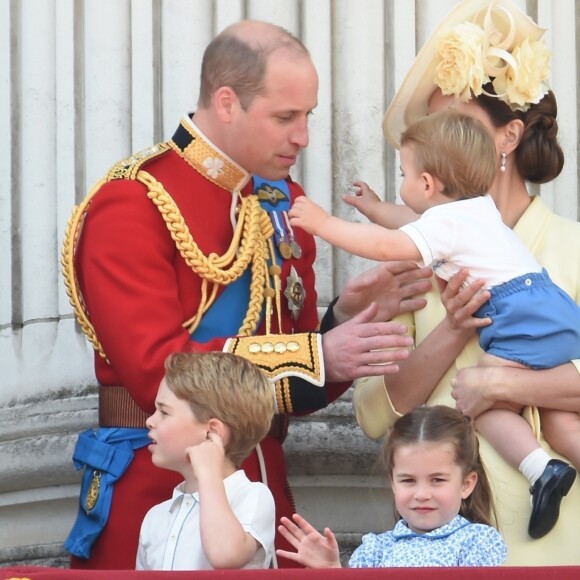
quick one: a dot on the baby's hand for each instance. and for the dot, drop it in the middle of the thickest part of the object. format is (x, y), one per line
(364, 199)
(306, 214)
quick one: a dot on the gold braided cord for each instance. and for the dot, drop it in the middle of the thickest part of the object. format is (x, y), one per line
(257, 291)
(71, 237)
(248, 246)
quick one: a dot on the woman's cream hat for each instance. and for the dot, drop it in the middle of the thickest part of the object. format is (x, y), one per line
(477, 42)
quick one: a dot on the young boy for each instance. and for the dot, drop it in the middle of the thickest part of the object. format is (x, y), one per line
(448, 162)
(212, 409)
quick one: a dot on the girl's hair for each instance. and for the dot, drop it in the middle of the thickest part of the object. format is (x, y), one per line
(442, 424)
(539, 157)
(226, 387)
(456, 149)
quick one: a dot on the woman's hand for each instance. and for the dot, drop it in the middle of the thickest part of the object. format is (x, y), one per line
(462, 301)
(471, 389)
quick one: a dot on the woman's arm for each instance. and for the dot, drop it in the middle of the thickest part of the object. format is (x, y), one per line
(421, 372)
(476, 389)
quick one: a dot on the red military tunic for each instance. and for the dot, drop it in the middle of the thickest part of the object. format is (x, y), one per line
(138, 291)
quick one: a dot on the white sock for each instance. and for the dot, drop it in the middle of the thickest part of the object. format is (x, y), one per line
(534, 464)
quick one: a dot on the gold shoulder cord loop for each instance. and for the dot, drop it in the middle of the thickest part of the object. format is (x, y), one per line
(250, 247)
(71, 236)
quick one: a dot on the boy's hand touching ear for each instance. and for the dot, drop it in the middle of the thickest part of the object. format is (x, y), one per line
(207, 457)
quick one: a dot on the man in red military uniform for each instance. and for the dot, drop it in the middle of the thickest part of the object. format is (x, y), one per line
(183, 247)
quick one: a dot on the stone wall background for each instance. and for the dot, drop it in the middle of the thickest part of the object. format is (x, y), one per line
(84, 83)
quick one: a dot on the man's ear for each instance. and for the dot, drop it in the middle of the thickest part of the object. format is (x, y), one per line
(226, 103)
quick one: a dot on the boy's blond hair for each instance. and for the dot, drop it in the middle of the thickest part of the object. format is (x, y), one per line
(227, 387)
(456, 149)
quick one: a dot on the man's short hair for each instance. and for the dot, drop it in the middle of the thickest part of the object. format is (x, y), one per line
(231, 61)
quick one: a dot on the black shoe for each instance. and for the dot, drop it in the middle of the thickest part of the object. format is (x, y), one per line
(547, 493)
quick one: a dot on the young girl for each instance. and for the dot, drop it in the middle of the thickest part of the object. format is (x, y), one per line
(442, 498)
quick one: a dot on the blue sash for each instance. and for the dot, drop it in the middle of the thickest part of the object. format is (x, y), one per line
(225, 316)
(105, 454)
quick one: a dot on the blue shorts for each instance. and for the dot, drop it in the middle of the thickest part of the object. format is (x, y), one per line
(534, 322)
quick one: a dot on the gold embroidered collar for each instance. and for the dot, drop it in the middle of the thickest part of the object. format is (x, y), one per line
(197, 150)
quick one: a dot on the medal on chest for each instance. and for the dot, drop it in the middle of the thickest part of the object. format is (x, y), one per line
(295, 293)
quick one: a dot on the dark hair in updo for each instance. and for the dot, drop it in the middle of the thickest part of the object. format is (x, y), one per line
(539, 157)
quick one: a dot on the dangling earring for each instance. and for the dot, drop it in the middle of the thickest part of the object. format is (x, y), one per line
(503, 158)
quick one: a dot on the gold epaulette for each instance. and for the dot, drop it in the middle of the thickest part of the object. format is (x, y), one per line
(251, 247)
(129, 167)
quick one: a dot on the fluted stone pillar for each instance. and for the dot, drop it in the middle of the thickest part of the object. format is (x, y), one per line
(72, 104)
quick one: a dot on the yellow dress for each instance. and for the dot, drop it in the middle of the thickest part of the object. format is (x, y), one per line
(555, 243)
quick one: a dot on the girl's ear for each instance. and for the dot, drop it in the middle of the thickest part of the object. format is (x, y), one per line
(469, 483)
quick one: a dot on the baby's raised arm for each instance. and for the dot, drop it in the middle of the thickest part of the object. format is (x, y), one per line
(383, 213)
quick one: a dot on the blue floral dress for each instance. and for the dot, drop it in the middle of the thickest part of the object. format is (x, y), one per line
(458, 543)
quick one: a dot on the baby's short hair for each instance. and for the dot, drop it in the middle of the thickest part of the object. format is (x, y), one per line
(227, 387)
(455, 148)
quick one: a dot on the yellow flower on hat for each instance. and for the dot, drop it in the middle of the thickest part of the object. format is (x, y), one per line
(527, 83)
(461, 69)
(472, 55)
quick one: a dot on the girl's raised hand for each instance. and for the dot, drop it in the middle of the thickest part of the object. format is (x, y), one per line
(313, 549)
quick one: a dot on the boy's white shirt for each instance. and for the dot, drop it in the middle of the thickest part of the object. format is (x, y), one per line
(170, 534)
(470, 234)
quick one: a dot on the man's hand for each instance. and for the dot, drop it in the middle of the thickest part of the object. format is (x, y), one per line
(307, 215)
(393, 286)
(363, 348)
